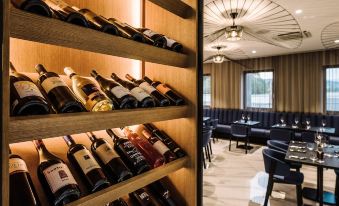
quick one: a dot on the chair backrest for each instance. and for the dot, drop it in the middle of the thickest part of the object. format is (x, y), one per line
(214, 123)
(237, 129)
(206, 135)
(307, 136)
(274, 163)
(281, 134)
(277, 145)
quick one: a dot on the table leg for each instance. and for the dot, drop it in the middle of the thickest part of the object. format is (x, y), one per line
(320, 185)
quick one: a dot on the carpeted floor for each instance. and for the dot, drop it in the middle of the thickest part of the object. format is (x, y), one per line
(234, 178)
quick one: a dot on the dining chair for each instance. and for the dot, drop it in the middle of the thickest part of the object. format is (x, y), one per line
(280, 172)
(206, 138)
(214, 123)
(281, 135)
(307, 137)
(239, 132)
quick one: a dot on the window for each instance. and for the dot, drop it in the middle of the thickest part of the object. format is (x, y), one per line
(332, 89)
(207, 90)
(258, 90)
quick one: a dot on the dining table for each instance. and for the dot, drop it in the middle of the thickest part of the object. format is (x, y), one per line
(306, 153)
(304, 128)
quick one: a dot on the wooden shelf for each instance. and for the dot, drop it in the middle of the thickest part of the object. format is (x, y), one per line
(32, 27)
(114, 192)
(43, 126)
(177, 7)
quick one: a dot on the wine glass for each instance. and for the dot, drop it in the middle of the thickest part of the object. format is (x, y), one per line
(282, 120)
(323, 123)
(242, 117)
(308, 123)
(248, 118)
(296, 121)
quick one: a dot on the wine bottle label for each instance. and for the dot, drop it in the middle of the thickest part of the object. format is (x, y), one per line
(58, 176)
(106, 153)
(86, 160)
(170, 42)
(56, 4)
(163, 88)
(120, 91)
(133, 153)
(89, 89)
(17, 165)
(26, 89)
(139, 93)
(149, 33)
(51, 83)
(147, 87)
(161, 147)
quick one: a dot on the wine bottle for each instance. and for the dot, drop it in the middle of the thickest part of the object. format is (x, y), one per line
(154, 158)
(34, 6)
(129, 154)
(66, 13)
(142, 197)
(172, 145)
(22, 191)
(159, 39)
(25, 96)
(118, 202)
(157, 96)
(88, 92)
(165, 90)
(145, 100)
(173, 45)
(130, 32)
(98, 22)
(79, 156)
(55, 177)
(160, 146)
(115, 168)
(58, 92)
(162, 193)
(116, 92)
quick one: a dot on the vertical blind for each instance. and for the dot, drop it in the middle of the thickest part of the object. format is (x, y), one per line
(207, 90)
(332, 89)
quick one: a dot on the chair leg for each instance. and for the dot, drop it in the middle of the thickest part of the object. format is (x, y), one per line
(268, 190)
(229, 147)
(210, 145)
(246, 145)
(203, 159)
(237, 142)
(208, 153)
(299, 195)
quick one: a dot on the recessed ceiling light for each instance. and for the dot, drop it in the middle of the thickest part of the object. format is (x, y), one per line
(253, 52)
(299, 11)
(336, 41)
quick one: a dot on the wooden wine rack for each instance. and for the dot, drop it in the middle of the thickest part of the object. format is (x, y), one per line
(28, 39)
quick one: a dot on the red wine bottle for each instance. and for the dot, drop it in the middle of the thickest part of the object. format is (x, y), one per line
(154, 158)
(22, 191)
(33, 6)
(129, 153)
(55, 177)
(160, 99)
(129, 32)
(118, 202)
(116, 92)
(25, 96)
(65, 12)
(99, 22)
(162, 193)
(165, 90)
(60, 95)
(142, 198)
(173, 45)
(160, 146)
(158, 39)
(79, 156)
(145, 100)
(170, 143)
(115, 168)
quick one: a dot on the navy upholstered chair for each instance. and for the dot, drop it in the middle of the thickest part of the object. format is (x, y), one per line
(307, 136)
(281, 135)
(239, 132)
(280, 172)
(214, 123)
(206, 138)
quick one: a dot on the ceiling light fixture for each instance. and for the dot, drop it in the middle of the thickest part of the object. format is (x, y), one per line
(336, 41)
(218, 58)
(253, 52)
(299, 11)
(233, 33)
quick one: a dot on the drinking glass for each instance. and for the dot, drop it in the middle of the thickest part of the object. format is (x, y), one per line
(308, 123)
(248, 118)
(296, 121)
(323, 122)
(243, 116)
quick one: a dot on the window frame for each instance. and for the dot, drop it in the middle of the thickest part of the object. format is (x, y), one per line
(325, 111)
(206, 106)
(244, 90)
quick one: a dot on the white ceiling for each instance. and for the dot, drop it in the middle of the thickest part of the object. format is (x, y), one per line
(316, 15)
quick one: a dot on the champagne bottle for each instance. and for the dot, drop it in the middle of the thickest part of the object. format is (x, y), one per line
(22, 191)
(165, 90)
(160, 146)
(25, 96)
(116, 92)
(79, 156)
(88, 92)
(98, 22)
(142, 197)
(58, 92)
(129, 32)
(129, 153)
(115, 168)
(157, 96)
(159, 39)
(172, 145)
(154, 158)
(145, 100)
(34, 6)
(162, 193)
(66, 13)
(55, 177)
